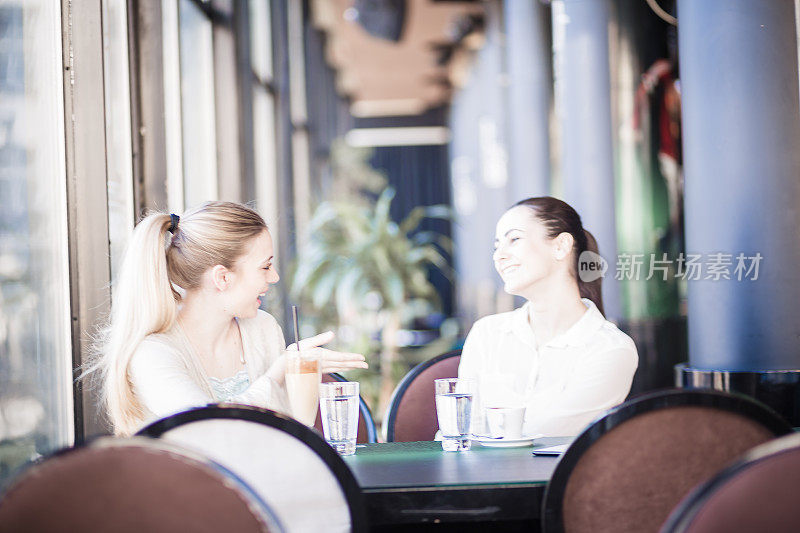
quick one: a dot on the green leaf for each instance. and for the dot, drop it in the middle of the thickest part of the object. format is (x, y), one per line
(440, 211)
(412, 220)
(395, 290)
(323, 290)
(427, 237)
(382, 206)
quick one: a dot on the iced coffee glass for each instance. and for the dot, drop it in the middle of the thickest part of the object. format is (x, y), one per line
(302, 385)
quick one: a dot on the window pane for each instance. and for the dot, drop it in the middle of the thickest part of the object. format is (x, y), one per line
(172, 105)
(261, 39)
(118, 129)
(197, 105)
(35, 354)
(264, 161)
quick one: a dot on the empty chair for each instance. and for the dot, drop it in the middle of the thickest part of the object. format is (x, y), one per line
(366, 425)
(412, 409)
(756, 493)
(630, 468)
(129, 486)
(289, 465)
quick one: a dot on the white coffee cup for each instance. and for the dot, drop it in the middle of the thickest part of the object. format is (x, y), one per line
(504, 422)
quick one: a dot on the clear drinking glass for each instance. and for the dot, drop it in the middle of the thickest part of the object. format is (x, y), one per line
(302, 385)
(454, 410)
(338, 406)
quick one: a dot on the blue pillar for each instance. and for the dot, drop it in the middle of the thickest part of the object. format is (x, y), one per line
(742, 161)
(479, 174)
(583, 113)
(741, 128)
(530, 79)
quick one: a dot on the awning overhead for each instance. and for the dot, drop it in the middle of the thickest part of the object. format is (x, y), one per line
(383, 77)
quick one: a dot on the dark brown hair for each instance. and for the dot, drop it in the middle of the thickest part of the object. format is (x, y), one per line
(559, 217)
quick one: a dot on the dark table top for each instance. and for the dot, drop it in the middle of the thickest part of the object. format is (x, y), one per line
(417, 482)
(424, 464)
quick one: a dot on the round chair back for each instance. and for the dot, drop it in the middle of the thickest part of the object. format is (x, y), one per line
(756, 493)
(630, 468)
(128, 486)
(412, 409)
(289, 465)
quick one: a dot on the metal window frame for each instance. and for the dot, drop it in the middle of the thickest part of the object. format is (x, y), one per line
(283, 137)
(148, 105)
(301, 153)
(87, 198)
(244, 75)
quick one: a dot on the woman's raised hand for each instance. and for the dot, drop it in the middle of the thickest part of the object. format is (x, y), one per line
(329, 360)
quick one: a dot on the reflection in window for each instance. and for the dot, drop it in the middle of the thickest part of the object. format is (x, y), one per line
(197, 105)
(35, 355)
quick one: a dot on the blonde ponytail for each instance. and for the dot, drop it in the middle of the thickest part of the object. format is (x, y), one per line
(165, 253)
(144, 303)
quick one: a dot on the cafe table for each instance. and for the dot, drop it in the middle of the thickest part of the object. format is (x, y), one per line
(406, 483)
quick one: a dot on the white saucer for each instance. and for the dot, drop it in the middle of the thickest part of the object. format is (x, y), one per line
(505, 443)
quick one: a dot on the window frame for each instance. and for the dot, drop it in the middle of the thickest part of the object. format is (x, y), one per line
(87, 199)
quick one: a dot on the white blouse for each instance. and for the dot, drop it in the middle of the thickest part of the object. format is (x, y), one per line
(167, 376)
(564, 384)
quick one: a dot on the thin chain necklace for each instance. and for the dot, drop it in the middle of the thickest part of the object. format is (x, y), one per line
(197, 352)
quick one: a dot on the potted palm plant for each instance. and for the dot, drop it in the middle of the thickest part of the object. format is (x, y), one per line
(365, 274)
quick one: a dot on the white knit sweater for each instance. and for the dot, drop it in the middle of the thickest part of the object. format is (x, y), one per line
(167, 376)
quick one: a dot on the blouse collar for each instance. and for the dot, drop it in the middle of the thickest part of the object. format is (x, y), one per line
(579, 334)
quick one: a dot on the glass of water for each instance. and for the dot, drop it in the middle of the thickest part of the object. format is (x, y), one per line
(338, 406)
(454, 410)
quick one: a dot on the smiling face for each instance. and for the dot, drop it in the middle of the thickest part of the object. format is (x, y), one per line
(524, 255)
(251, 276)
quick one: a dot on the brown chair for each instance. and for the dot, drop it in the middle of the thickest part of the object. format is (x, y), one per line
(128, 486)
(366, 425)
(412, 409)
(756, 493)
(631, 467)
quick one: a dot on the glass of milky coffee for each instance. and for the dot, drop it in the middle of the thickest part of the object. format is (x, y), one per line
(302, 385)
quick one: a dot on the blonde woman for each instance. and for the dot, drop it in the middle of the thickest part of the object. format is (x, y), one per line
(186, 329)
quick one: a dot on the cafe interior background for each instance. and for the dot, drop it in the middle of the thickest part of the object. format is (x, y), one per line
(381, 140)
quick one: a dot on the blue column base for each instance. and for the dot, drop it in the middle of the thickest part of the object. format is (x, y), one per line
(778, 389)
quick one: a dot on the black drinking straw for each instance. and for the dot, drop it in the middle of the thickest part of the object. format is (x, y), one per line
(296, 329)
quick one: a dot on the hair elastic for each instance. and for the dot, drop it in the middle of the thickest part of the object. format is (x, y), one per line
(173, 225)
